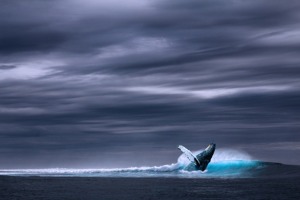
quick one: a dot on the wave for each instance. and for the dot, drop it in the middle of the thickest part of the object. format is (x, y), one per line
(226, 163)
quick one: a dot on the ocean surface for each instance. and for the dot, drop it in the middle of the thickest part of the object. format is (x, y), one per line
(230, 175)
(226, 163)
(225, 169)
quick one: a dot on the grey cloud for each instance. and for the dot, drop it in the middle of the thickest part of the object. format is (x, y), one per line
(7, 67)
(146, 77)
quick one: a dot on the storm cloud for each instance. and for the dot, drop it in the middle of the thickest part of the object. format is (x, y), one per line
(109, 83)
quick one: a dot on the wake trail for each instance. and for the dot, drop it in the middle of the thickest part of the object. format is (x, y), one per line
(225, 163)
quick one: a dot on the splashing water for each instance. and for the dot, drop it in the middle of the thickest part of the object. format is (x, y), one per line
(225, 163)
(220, 155)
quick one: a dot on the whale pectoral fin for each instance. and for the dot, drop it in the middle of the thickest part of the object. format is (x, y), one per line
(197, 163)
(189, 155)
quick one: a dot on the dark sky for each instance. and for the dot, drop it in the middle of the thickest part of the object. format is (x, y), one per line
(89, 83)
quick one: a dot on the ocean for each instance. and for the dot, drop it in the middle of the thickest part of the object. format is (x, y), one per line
(230, 175)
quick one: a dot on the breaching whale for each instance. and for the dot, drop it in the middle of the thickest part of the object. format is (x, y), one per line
(200, 161)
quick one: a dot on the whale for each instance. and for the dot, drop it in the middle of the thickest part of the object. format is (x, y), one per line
(201, 160)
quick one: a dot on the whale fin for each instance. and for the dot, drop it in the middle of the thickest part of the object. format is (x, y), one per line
(189, 155)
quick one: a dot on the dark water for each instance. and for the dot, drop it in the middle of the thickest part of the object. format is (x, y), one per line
(267, 181)
(78, 188)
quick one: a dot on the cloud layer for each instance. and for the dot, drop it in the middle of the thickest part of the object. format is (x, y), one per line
(109, 83)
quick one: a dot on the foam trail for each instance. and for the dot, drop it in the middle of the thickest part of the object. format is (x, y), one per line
(131, 171)
(225, 162)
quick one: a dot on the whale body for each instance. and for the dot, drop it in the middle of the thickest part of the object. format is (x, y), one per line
(201, 160)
